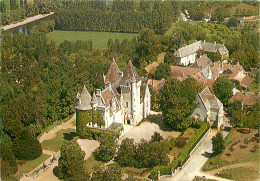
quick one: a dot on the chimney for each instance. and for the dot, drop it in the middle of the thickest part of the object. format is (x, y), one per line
(98, 92)
(204, 41)
(214, 43)
(121, 74)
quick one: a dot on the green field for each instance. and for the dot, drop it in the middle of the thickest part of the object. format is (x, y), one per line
(99, 39)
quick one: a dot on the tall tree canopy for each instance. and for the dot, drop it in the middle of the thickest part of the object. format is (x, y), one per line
(223, 89)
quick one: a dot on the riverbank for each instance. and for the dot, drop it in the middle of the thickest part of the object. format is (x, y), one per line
(27, 20)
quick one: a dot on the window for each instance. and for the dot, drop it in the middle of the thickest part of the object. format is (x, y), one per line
(126, 104)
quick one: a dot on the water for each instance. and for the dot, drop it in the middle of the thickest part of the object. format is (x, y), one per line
(27, 27)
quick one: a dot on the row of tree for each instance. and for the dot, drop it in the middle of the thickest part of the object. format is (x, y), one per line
(120, 16)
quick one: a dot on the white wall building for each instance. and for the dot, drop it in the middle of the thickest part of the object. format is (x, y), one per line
(123, 100)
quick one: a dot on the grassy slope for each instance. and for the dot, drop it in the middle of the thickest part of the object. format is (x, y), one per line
(55, 143)
(99, 39)
(30, 165)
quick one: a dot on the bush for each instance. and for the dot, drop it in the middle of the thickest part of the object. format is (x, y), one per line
(107, 149)
(26, 147)
(181, 141)
(156, 137)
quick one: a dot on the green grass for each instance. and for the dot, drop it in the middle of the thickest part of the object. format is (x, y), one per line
(92, 164)
(254, 87)
(135, 171)
(240, 173)
(30, 165)
(55, 143)
(55, 123)
(99, 39)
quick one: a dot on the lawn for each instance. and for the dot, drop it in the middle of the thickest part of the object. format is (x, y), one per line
(55, 143)
(92, 164)
(240, 173)
(99, 39)
(30, 165)
(135, 171)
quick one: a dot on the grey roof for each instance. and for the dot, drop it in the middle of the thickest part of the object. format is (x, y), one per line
(84, 100)
(130, 74)
(206, 46)
(209, 100)
(94, 99)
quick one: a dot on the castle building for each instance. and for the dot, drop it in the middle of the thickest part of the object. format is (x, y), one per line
(123, 100)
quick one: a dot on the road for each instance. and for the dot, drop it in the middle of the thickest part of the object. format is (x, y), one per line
(197, 160)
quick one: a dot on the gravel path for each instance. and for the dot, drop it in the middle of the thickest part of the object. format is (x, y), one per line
(52, 134)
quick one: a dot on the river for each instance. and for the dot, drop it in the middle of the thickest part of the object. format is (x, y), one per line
(27, 24)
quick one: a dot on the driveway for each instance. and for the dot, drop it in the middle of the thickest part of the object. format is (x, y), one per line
(197, 160)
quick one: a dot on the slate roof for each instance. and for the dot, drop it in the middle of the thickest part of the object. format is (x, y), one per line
(113, 73)
(151, 68)
(94, 98)
(130, 73)
(248, 99)
(206, 46)
(84, 100)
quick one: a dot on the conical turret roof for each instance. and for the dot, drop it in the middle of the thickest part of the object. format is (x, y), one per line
(112, 75)
(84, 100)
(94, 99)
(130, 74)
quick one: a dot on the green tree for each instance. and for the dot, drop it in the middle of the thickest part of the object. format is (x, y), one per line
(107, 148)
(147, 47)
(13, 4)
(251, 120)
(7, 155)
(156, 137)
(218, 143)
(26, 147)
(170, 59)
(126, 153)
(223, 89)
(21, 3)
(236, 112)
(193, 84)
(163, 71)
(111, 172)
(176, 103)
(232, 22)
(71, 162)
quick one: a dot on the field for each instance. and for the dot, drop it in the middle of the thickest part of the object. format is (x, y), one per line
(240, 159)
(99, 39)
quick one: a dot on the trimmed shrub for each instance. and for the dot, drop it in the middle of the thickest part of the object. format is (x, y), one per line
(6, 154)
(26, 147)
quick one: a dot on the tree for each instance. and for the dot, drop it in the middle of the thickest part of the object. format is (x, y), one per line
(170, 59)
(21, 3)
(71, 162)
(2, 7)
(236, 112)
(223, 89)
(163, 71)
(147, 47)
(251, 120)
(107, 148)
(26, 147)
(126, 153)
(193, 84)
(13, 4)
(176, 103)
(232, 22)
(7, 155)
(111, 172)
(218, 143)
(156, 137)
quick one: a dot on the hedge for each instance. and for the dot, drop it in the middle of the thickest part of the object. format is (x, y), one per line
(95, 133)
(183, 156)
